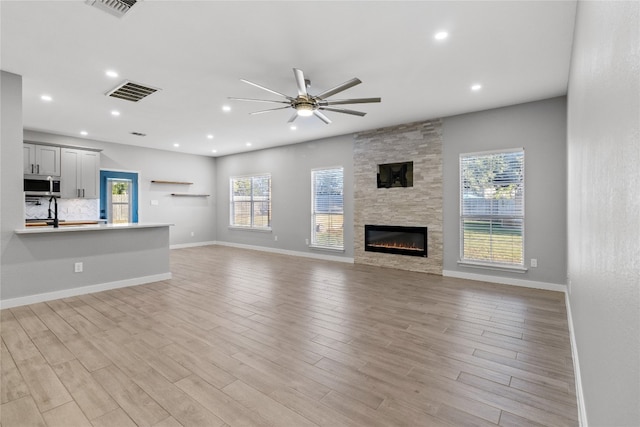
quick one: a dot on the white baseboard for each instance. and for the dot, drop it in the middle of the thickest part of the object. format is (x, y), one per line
(582, 412)
(505, 280)
(192, 245)
(66, 293)
(288, 252)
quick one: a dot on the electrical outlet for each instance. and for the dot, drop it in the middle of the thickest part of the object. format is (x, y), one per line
(154, 203)
(275, 238)
(534, 262)
(78, 267)
(193, 234)
(306, 241)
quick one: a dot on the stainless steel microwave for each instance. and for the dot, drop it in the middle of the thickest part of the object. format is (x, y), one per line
(44, 187)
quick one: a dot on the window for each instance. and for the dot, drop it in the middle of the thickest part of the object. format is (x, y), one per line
(327, 208)
(492, 208)
(251, 202)
(119, 201)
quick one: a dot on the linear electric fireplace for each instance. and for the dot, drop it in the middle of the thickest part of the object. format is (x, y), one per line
(394, 239)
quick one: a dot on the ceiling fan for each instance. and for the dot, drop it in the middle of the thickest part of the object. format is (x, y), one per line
(306, 104)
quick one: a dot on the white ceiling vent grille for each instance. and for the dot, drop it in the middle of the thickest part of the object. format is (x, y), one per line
(114, 7)
(131, 91)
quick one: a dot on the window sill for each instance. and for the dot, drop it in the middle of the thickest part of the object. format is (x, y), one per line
(326, 248)
(258, 229)
(498, 267)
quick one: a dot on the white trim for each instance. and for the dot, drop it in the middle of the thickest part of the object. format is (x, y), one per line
(121, 170)
(497, 151)
(192, 245)
(490, 266)
(505, 280)
(249, 228)
(288, 252)
(65, 293)
(326, 248)
(582, 410)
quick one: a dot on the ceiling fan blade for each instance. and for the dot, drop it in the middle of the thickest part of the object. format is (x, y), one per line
(302, 85)
(269, 110)
(344, 86)
(321, 116)
(342, 110)
(350, 101)
(258, 100)
(266, 88)
(295, 116)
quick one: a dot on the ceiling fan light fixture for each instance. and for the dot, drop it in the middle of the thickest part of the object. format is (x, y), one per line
(305, 110)
(305, 104)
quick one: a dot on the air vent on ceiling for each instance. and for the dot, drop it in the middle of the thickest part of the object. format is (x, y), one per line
(131, 91)
(114, 7)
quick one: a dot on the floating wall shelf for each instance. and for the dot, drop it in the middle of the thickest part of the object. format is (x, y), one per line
(189, 195)
(157, 181)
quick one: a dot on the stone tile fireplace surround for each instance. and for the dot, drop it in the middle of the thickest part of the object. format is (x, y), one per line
(417, 206)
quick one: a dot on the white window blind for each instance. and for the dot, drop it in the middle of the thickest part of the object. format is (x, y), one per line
(327, 208)
(251, 201)
(492, 207)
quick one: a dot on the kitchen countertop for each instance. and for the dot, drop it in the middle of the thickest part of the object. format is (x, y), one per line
(65, 223)
(70, 227)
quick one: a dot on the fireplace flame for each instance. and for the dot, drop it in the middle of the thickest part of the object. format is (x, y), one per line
(396, 245)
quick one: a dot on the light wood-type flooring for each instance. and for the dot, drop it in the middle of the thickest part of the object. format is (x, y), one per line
(248, 338)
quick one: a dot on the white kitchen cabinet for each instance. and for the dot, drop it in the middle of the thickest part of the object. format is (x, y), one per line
(41, 160)
(80, 177)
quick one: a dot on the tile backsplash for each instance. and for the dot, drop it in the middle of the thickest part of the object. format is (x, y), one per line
(69, 209)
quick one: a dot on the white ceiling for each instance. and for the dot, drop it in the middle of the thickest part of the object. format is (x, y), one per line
(197, 52)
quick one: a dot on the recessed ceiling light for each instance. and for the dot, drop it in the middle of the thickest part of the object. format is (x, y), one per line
(84, 133)
(248, 144)
(293, 127)
(210, 136)
(115, 113)
(46, 98)
(476, 87)
(441, 35)
(176, 145)
(111, 73)
(214, 151)
(226, 108)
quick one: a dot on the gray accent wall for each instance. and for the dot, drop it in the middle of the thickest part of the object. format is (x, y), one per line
(290, 168)
(540, 128)
(188, 214)
(603, 209)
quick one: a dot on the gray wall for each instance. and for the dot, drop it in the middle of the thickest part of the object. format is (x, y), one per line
(604, 201)
(44, 263)
(540, 128)
(290, 169)
(188, 214)
(11, 203)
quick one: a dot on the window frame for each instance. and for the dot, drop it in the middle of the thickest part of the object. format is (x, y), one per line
(252, 202)
(314, 242)
(491, 218)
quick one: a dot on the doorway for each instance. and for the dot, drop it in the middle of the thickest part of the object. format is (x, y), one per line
(118, 196)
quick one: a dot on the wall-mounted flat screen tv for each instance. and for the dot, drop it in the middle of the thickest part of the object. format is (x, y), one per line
(395, 175)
